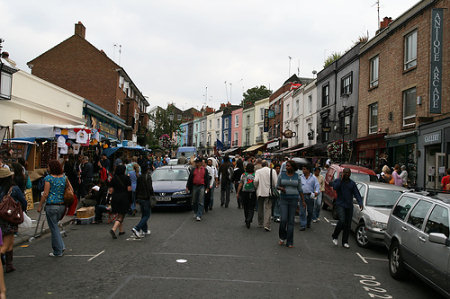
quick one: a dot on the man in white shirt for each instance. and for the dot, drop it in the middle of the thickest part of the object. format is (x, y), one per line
(262, 184)
(214, 174)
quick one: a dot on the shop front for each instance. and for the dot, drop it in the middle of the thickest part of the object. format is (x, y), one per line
(371, 151)
(434, 153)
(402, 150)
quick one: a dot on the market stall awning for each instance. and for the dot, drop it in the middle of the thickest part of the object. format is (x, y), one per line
(106, 114)
(290, 149)
(230, 150)
(254, 148)
(298, 149)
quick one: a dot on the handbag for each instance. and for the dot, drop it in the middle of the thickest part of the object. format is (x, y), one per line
(273, 192)
(68, 194)
(11, 210)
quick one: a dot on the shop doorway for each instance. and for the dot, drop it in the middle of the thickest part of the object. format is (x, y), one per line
(434, 166)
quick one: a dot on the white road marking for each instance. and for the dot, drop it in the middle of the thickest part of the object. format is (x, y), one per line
(362, 258)
(326, 219)
(181, 261)
(101, 252)
(202, 254)
(376, 259)
(24, 256)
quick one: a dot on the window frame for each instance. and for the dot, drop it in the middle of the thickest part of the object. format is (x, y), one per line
(413, 116)
(344, 88)
(6, 85)
(409, 62)
(326, 99)
(236, 120)
(371, 127)
(373, 82)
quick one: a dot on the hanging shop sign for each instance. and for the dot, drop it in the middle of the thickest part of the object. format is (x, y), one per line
(437, 22)
(289, 134)
(266, 120)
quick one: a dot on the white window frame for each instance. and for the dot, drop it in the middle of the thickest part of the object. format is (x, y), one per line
(405, 119)
(236, 121)
(118, 107)
(5, 85)
(373, 128)
(410, 50)
(236, 136)
(374, 71)
(309, 103)
(287, 111)
(261, 111)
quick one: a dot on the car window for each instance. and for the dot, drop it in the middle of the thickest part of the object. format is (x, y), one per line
(382, 198)
(360, 177)
(403, 207)
(170, 175)
(419, 213)
(362, 189)
(438, 221)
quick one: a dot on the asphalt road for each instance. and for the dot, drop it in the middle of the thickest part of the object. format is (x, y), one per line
(215, 258)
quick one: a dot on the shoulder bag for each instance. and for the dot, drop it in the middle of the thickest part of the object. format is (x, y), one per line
(68, 194)
(273, 192)
(10, 209)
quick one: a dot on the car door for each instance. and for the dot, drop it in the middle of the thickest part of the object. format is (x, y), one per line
(357, 213)
(413, 228)
(329, 191)
(433, 258)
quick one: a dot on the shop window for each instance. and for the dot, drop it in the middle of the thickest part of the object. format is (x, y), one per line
(373, 118)
(410, 59)
(326, 124)
(374, 67)
(409, 107)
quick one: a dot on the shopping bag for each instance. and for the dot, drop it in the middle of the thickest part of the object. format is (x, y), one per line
(27, 222)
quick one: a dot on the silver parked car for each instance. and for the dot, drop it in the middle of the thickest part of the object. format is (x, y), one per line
(417, 237)
(370, 223)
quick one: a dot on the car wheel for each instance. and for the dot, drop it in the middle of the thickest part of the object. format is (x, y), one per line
(396, 266)
(361, 235)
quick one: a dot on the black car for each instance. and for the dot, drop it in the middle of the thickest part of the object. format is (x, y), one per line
(169, 186)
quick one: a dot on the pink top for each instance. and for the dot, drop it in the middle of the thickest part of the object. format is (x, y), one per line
(398, 181)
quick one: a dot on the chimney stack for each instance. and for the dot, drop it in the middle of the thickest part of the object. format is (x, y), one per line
(80, 30)
(385, 23)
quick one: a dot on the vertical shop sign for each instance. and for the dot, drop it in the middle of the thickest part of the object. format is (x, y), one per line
(266, 120)
(437, 22)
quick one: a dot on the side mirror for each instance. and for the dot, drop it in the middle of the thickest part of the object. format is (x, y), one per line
(438, 238)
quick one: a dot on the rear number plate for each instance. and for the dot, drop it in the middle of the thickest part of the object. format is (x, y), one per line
(163, 198)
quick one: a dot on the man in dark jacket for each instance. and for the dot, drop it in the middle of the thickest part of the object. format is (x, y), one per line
(198, 184)
(346, 189)
(226, 178)
(144, 191)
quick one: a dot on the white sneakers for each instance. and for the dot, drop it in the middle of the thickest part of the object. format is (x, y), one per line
(335, 242)
(346, 245)
(198, 218)
(136, 233)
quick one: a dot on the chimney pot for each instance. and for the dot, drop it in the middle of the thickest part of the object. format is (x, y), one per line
(80, 30)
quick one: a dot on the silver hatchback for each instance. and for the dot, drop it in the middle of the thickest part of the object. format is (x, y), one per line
(417, 237)
(370, 223)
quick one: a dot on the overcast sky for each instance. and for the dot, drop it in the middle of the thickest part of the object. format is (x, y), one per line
(173, 50)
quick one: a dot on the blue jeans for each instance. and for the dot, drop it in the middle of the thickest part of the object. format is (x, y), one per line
(306, 214)
(198, 197)
(287, 209)
(146, 211)
(344, 223)
(133, 201)
(317, 206)
(211, 196)
(54, 213)
(276, 208)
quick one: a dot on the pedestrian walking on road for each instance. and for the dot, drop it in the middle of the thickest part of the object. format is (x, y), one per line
(276, 201)
(134, 174)
(144, 190)
(226, 178)
(53, 196)
(311, 190)
(120, 188)
(246, 193)
(318, 199)
(198, 184)
(346, 189)
(214, 175)
(9, 229)
(2, 278)
(237, 174)
(290, 185)
(262, 183)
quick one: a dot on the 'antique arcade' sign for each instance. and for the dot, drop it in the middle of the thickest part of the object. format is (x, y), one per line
(437, 22)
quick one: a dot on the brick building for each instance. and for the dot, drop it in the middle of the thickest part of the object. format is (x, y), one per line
(397, 77)
(76, 65)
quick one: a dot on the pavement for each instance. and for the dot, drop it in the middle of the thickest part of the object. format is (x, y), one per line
(217, 257)
(25, 235)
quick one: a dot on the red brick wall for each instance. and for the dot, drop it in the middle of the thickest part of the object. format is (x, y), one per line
(393, 80)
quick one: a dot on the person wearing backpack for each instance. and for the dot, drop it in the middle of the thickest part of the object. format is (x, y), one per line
(246, 192)
(226, 178)
(9, 229)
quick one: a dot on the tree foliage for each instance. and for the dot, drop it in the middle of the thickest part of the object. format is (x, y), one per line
(163, 124)
(254, 94)
(332, 58)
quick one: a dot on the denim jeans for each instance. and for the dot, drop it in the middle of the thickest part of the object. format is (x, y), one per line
(287, 209)
(248, 200)
(344, 223)
(225, 189)
(133, 201)
(146, 211)
(317, 206)
(54, 213)
(198, 197)
(276, 208)
(306, 214)
(211, 196)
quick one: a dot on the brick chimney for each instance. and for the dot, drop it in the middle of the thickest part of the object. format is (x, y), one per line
(80, 30)
(386, 21)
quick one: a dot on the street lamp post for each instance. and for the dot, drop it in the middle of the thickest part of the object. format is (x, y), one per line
(344, 107)
(171, 132)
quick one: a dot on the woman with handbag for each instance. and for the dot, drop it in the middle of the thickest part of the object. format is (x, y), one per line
(9, 229)
(53, 196)
(120, 188)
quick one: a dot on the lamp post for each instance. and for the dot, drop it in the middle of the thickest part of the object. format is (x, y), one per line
(344, 98)
(171, 132)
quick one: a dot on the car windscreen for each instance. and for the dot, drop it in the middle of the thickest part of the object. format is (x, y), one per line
(186, 154)
(170, 175)
(382, 198)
